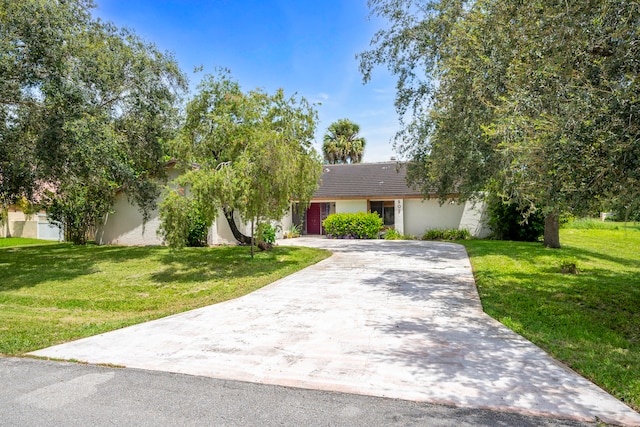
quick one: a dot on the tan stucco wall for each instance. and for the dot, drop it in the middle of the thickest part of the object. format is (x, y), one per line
(284, 224)
(124, 226)
(351, 206)
(26, 229)
(475, 218)
(20, 225)
(422, 215)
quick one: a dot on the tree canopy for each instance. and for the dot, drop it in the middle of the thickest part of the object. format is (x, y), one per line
(342, 143)
(536, 101)
(245, 152)
(85, 110)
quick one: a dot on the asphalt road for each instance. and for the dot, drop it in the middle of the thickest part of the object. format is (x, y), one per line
(47, 393)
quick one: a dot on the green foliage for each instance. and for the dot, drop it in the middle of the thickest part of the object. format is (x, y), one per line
(487, 95)
(182, 221)
(293, 231)
(342, 143)
(508, 222)
(446, 234)
(245, 152)
(84, 104)
(176, 212)
(353, 225)
(266, 233)
(78, 207)
(199, 228)
(597, 224)
(393, 234)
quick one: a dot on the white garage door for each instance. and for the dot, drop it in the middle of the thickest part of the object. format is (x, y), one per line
(47, 230)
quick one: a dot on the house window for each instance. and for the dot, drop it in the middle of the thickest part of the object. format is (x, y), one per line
(386, 210)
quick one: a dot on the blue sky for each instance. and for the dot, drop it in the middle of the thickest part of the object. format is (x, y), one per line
(302, 46)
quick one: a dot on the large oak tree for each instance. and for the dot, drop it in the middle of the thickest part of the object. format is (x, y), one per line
(535, 100)
(85, 109)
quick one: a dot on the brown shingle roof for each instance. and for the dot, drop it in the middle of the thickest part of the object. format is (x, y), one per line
(363, 180)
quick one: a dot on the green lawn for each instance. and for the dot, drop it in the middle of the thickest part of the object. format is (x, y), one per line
(589, 320)
(54, 293)
(19, 241)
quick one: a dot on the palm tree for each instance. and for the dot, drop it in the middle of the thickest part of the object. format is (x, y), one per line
(342, 143)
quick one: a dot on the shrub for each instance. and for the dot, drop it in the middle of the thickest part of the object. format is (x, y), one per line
(198, 228)
(353, 225)
(190, 224)
(292, 232)
(393, 234)
(446, 234)
(508, 222)
(266, 233)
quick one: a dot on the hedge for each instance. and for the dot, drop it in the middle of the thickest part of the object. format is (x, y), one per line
(353, 225)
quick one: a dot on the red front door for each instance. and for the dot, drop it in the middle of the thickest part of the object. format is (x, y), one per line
(313, 219)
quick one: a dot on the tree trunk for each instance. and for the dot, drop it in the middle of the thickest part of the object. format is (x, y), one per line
(252, 238)
(552, 230)
(241, 238)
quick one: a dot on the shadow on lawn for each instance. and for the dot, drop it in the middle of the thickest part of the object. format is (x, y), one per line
(191, 265)
(29, 266)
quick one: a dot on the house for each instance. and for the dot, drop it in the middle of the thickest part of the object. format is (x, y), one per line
(34, 226)
(382, 188)
(124, 226)
(361, 187)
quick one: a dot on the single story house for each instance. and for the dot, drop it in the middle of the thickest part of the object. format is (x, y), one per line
(360, 187)
(382, 188)
(33, 226)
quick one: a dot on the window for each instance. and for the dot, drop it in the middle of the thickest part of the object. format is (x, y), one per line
(386, 210)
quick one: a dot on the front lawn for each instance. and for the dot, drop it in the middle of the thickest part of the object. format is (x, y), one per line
(55, 293)
(589, 320)
(21, 241)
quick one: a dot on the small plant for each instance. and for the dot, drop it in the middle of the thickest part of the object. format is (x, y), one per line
(393, 234)
(446, 234)
(568, 266)
(293, 231)
(353, 225)
(266, 236)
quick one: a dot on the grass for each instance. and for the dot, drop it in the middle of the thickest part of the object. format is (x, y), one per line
(589, 320)
(19, 241)
(55, 293)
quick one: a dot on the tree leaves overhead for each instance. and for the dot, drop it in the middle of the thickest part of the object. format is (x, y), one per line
(535, 100)
(82, 104)
(248, 152)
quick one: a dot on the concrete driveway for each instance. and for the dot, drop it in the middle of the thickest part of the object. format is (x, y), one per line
(397, 319)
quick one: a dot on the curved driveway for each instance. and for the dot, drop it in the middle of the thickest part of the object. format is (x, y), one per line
(398, 319)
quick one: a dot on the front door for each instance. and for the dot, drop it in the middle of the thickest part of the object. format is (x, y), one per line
(313, 219)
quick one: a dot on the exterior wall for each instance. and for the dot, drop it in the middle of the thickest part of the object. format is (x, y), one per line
(351, 206)
(124, 226)
(284, 224)
(474, 218)
(35, 226)
(421, 215)
(20, 225)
